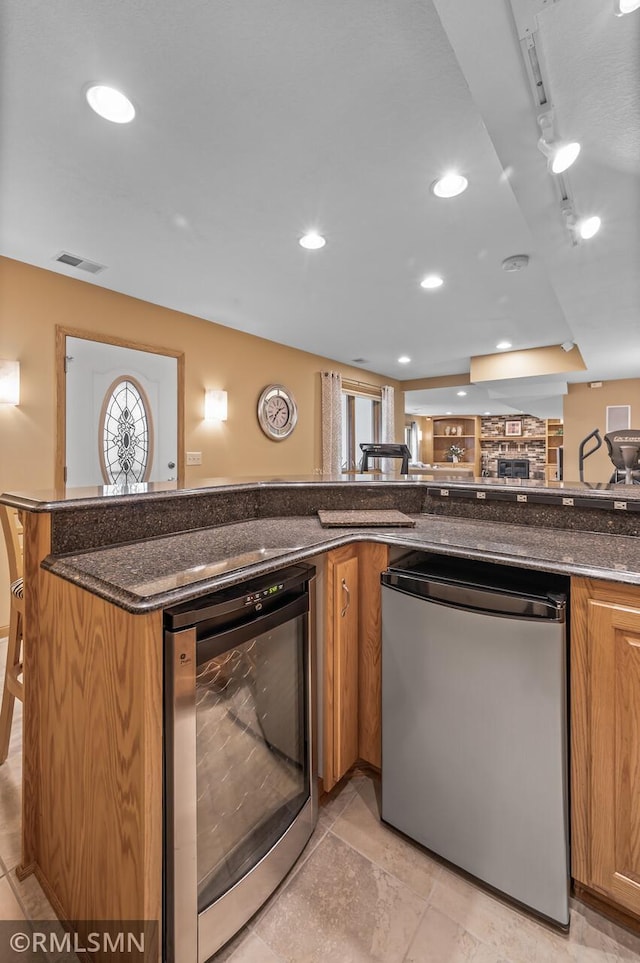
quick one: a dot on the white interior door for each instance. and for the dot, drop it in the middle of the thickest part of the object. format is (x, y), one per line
(92, 368)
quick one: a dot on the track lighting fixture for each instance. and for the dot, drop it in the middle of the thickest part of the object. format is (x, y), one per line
(560, 154)
(580, 228)
(620, 7)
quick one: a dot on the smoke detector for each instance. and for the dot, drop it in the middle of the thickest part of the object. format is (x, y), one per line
(517, 262)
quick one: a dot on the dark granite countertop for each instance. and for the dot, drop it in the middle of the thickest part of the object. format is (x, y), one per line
(65, 499)
(151, 574)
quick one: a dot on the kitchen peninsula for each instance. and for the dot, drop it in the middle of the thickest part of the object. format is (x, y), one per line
(101, 565)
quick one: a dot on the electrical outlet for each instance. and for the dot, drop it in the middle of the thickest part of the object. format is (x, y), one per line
(194, 458)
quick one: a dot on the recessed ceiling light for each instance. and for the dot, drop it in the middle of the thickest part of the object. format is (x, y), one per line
(448, 412)
(503, 345)
(431, 282)
(588, 226)
(312, 241)
(404, 359)
(486, 412)
(110, 104)
(450, 185)
(461, 394)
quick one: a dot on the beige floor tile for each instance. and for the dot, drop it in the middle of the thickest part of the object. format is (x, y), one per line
(32, 898)
(595, 939)
(333, 803)
(341, 907)
(440, 939)
(254, 950)
(487, 954)
(227, 951)
(512, 934)
(316, 838)
(360, 826)
(10, 908)
(10, 810)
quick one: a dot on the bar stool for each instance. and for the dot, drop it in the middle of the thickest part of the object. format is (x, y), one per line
(13, 686)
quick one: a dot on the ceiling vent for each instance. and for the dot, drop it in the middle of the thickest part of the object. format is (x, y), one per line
(359, 361)
(80, 263)
(516, 263)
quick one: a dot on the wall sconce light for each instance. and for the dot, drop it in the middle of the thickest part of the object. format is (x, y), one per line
(9, 382)
(215, 405)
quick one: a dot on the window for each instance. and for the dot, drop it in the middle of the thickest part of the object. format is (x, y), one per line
(361, 421)
(125, 434)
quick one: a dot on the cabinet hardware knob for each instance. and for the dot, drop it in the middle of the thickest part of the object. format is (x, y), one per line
(345, 588)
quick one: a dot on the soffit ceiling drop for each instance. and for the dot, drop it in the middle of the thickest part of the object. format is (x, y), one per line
(259, 121)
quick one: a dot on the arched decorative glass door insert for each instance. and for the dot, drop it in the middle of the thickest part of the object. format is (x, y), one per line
(126, 434)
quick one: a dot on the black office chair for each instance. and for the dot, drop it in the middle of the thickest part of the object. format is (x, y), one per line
(624, 451)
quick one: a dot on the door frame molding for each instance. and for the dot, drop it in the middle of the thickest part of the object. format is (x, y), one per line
(62, 333)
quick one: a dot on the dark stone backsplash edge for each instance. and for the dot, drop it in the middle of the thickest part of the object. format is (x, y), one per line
(102, 524)
(565, 518)
(92, 527)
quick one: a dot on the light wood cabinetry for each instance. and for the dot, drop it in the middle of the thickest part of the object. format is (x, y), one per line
(554, 441)
(460, 431)
(92, 750)
(605, 740)
(352, 683)
(344, 583)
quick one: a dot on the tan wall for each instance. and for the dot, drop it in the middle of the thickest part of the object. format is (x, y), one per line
(33, 302)
(584, 409)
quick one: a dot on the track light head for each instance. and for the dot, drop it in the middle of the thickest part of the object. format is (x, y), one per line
(560, 154)
(621, 7)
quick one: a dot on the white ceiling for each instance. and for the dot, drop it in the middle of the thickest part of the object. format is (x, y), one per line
(259, 119)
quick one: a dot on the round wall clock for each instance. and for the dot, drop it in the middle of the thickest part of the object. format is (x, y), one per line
(277, 412)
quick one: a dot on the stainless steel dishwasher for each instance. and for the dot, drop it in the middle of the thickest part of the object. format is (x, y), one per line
(474, 722)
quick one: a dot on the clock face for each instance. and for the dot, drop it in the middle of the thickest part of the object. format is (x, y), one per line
(277, 412)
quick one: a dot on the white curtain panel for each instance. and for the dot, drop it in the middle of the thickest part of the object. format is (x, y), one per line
(331, 422)
(387, 426)
(415, 442)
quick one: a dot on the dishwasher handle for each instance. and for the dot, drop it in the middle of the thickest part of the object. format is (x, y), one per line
(475, 598)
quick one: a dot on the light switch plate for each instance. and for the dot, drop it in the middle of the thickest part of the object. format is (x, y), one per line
(194, 458)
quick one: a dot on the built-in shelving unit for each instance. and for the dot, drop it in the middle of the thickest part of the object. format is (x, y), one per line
(554, 441)
(458, 431)
(540, 442)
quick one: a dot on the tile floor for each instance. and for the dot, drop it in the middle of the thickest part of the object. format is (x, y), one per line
(359, 893)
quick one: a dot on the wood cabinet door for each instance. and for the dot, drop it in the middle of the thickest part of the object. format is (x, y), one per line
(606, 740)
(341, 647)
(345, 661)
(374, 559)
(352, 659)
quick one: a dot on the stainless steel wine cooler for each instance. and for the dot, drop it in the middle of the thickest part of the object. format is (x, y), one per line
(240, 767)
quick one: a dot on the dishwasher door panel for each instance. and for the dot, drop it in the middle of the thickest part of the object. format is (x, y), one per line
(474, 760)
